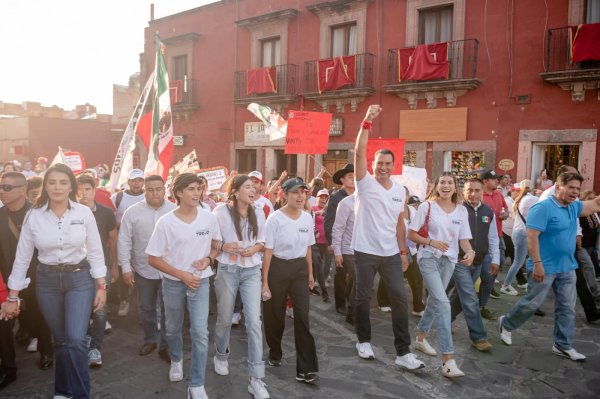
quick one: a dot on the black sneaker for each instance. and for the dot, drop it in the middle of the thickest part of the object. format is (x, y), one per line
(494, 294)
(308, 378)
(540, 313)
(274, 363)
(315, 292)
(487, 314)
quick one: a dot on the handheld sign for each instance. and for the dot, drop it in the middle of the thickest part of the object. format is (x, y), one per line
(307, 132)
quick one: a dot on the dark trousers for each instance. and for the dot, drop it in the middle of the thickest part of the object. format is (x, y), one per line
(321, 261)
(510, 247)
(585, 295)
(344, 285)
(415, 281)
(390, 269)
(8, 364)
(383, 299)
(290, 277)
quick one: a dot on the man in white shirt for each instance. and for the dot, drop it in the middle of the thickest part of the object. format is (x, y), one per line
(136, 229)
(261, 203)
(379, 242)
(341, 242)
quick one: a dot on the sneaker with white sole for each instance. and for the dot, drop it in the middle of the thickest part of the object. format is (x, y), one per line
(522, 286)
(258, 388)
(509, 290)
(123, 309)
(424, 347)
(385, 309)
(418, 314)
(221, 366)
(197, 393)
(108, 328)
(94, 358)
(176, 371)
(32, 347)
(365, 351)
(505, 336)
(235, 319)
(568, 353)
(409, 362)
(289, 312)
(451, 370)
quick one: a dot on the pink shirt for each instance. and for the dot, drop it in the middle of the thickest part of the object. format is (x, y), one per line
(319, 227)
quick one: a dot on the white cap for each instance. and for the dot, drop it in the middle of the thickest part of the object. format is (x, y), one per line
(136, 174)
(323, 192)
(256, 174)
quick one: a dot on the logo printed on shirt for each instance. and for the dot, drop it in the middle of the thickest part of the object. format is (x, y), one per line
(455, 221)
(204, 232)
(303, 230)
(76, 221)
(485, 219)
(396, 199)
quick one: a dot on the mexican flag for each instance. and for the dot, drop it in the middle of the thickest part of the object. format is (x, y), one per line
(160, 143)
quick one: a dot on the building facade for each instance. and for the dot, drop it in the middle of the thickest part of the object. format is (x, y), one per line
(511, 100)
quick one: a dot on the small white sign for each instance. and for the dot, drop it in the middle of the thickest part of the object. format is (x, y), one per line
(255, 135)
(178, 141)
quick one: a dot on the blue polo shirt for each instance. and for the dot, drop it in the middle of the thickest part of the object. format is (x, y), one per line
(558, 226)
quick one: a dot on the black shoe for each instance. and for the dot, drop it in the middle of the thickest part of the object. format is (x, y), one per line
(341, 310)
(7, 379)
(594, 318)
(147, 348)
(163, 353)
(308, 378)
(46, 361)
(540, 313)
(315, 291)
(325, 297)
(274, 363)
(494, 294)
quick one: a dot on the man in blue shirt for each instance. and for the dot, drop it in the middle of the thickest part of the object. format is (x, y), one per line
(551, 231)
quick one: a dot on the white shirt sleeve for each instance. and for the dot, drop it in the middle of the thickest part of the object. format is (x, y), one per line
(125, 243)
(494, 242)
(260, 220)
(157, 246)
(270, 232)
(339, 226)
(419, 219)
(465, 226)
(18, 278)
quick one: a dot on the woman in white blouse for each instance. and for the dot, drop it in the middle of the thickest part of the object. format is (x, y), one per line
(242, 232)
(449, 228)
(70, 275)
(287, 270)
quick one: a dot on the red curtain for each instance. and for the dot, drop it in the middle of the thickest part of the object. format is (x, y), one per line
(585, 42)
(335, 73)
(261, 80)
(424, 62)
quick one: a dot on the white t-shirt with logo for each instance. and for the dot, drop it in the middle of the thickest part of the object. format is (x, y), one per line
(377, 211)
(448, 227)
(289, 238)
(180, 243)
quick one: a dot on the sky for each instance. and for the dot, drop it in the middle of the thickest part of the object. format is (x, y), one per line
(70, 52)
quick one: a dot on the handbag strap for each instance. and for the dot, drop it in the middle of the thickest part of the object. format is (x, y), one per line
(521, 215)
(13, 228)
(428, 212)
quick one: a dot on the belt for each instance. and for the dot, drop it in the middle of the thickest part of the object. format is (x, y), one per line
(63, 267)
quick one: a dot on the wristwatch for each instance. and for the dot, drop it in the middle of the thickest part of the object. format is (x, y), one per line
(403, 252)
(102, 286)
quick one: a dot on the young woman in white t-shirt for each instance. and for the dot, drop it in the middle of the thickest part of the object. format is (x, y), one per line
(243, 238)
(438, 253)
(287, 270)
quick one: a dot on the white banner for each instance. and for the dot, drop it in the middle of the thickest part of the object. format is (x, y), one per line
(415, 179)
(215, 176)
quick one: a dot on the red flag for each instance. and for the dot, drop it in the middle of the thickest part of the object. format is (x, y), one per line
(394, 145)
(424, 62)
(335, 73)
(144, 128)
(585, 42)
(261, 80)
(176, 91)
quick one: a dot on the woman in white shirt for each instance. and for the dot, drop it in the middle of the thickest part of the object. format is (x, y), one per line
(287, 270)
(70, 275)
(449, 228)
(243, 237)
(523, 203)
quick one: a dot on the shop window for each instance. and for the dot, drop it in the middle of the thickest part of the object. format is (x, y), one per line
(435, 24)
(464, 164)
(246, 160)
(270, 50)
(410, 158)
(343, 40)
(287, 162)
(179, 71)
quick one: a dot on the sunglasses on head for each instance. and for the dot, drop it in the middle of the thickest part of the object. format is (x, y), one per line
(9, 187)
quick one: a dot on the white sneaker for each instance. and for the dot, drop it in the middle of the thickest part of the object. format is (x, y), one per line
(123, 308)
(289, 312)
(496, 281)
(235, 319)
(569, 353)
(409, 362)
(505, 336)
(176, 371)
(197, 393)
(258, 388)
(108, 328)
(32, 347)
(385, 309)
(508, 290)
(365, 351)
(424, 347)
(451, 370)
(221, 366)
(418, 314)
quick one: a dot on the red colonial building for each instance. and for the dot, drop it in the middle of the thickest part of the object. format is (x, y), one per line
(513, 95)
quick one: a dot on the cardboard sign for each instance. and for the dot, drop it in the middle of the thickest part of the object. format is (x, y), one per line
(307, 132)
(74, 160)
(394, 145)
(415, 179)
(215, 176)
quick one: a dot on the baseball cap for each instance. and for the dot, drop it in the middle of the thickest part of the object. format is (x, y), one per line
(136, 174)
(293, 184)
(323, 192)
(525, 183)
(257, 175)
(489, 174)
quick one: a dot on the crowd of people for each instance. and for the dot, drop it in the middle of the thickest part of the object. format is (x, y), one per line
(264, 248)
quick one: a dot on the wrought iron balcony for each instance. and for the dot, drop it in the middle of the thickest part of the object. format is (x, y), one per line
(286, 87)
(185, 97)
(462, 76)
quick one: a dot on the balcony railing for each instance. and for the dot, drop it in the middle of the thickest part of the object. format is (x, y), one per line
(190, 98)
(462, 56)
(363, 77)
(558, 53)
(287, 85)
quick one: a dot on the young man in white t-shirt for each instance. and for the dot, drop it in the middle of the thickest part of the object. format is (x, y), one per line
(379, 242)
(182, 249)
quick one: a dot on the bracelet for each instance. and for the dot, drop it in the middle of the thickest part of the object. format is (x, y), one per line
(539, 261)
(14, 299)
(211, 261)
(429, 243)
(403, 252)
(102, 286)
(366, 125)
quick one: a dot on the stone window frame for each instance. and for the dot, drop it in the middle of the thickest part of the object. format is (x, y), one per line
(265, 31)
(412, 18)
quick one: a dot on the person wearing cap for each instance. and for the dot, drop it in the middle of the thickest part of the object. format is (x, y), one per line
(342, 280)
(321, 256)
(522, 205)
(287, 270)
(260, 203)
(134, 194)
(379, 242)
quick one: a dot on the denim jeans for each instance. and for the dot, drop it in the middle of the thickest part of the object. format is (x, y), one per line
(390, 270)
(464, 299)
(487, 281)
(230, 279)
(563, 285)
(97, 328)
(66, 299)
(148, 292)
(519, 238)
(175, 297)
(437, 273)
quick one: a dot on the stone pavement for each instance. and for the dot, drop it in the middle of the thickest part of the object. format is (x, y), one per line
(526, 369)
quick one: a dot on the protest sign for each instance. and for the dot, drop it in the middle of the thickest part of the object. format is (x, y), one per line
(215, 176)
(415, 179)
(307, 132)
(74, 160)
(394, 145)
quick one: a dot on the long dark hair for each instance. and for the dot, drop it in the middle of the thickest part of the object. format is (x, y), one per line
(233, 188)
(43, 199)
(434, 195)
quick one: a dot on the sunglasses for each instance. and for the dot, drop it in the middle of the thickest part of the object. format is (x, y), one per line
(9, 187)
